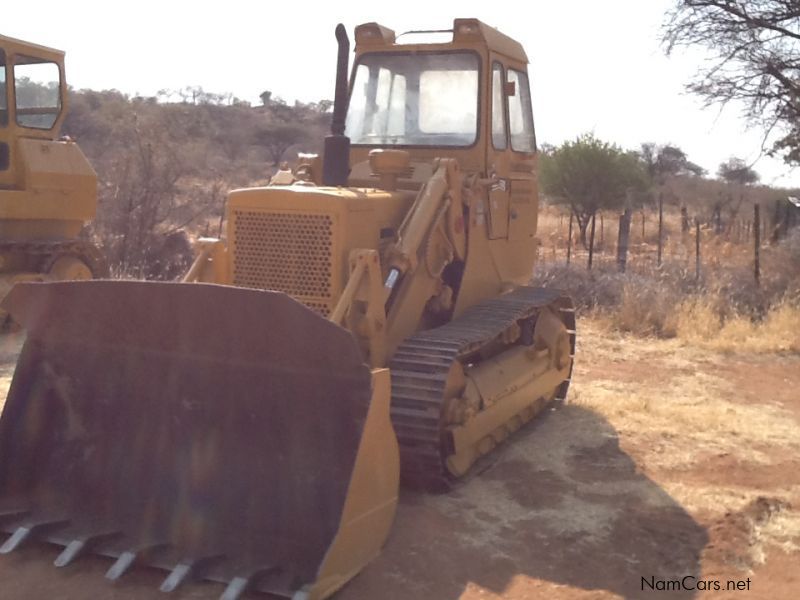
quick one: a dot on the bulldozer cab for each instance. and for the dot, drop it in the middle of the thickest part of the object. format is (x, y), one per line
(467, 97)
(32, 100)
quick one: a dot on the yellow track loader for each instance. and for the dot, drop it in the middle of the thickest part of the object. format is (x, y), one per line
(370, 323)
(48, 190)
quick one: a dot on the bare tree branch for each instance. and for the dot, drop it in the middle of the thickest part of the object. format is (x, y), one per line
(755, 58)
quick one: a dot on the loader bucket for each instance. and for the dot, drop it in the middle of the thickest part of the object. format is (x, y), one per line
(217, 432)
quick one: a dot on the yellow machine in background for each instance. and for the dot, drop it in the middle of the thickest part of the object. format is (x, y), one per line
(244, 425)
(48, 190)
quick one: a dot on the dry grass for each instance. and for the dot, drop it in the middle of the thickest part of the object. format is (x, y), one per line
(725, 309)
(780, 531)
(697, 322)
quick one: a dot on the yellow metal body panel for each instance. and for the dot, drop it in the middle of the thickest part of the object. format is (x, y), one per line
(371, 497)
(57, 195)
(298, 239)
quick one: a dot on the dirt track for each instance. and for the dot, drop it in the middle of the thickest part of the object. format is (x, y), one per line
(669, 462)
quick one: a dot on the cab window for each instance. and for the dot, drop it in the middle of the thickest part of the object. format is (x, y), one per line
(3, 90)
(37, 87)
(520, 115)
(499, 138)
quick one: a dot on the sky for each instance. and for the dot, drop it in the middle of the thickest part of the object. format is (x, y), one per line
(595, 67)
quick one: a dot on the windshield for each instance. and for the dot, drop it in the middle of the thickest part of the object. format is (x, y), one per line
(421, 99)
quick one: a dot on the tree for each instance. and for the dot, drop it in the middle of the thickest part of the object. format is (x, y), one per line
(278, 138)
(266, 97)
(590, 175)
(145, 193)
(737, 174)
(755, 48)
(662, 161)
(737, 171)
(324, 106)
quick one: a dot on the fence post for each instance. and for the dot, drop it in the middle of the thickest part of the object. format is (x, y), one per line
(643, 226)
(776, 223)
(757, 244)
(697, 249)
(660, 225)
(717, 219)
(602, 233)
(591, 243)
(685, 220)
(569, 238)
(622, 239)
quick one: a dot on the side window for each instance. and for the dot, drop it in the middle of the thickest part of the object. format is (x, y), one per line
(499, 138)
(3, 90)
(520, 115)
(5, 155)
(37, 86)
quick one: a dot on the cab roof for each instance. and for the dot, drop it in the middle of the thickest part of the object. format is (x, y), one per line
(466, 32)
(14, 46)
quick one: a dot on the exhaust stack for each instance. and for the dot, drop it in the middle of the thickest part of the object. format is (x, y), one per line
(336, 162)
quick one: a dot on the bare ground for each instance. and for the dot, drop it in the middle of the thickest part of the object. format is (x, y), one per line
(670, 461)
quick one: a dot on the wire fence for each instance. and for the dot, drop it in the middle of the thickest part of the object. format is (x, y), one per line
(644, 242)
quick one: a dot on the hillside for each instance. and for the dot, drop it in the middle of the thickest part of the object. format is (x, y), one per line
(164, 167)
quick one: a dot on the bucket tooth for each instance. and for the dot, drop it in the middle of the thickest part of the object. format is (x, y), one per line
(236, 588)
(73, 550)
(177, 576)
(128, 558)
(25, 532)
(80, 545)
(242, 583)
(17, 538)
(188, 568)
(121, 565)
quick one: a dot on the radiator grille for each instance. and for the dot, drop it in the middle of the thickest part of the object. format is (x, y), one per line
(289, 252)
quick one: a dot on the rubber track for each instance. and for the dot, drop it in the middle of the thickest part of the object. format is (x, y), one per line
(49, 252)
(420, 367)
